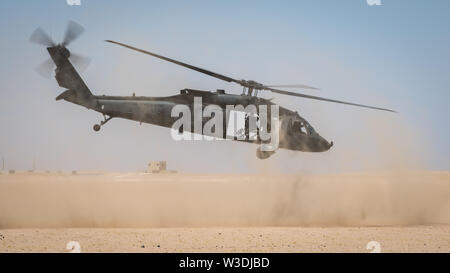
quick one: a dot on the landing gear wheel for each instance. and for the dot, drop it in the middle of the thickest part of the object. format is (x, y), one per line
(97, 127)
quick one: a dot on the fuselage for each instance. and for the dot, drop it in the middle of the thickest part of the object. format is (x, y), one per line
(295, 132)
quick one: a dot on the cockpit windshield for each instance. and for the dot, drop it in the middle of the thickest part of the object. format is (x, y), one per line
(302, 127)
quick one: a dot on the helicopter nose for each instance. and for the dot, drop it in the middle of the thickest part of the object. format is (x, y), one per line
(324, 144)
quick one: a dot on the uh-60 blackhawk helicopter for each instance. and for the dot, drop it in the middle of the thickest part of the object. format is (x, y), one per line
(294, 131)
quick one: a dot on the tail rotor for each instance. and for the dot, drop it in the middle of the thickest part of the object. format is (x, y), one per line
(73, 31)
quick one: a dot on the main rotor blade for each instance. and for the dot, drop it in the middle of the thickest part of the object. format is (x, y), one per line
(74, 30)
(228, 79)
(294, 86)
(40, 37)
(325, 99)
(201, 70)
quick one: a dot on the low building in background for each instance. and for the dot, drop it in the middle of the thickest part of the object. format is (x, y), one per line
(157, 166)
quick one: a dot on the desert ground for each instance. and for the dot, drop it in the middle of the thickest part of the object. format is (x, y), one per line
(139, 212)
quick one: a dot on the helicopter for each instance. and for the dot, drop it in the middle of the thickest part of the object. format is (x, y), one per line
(295, 132)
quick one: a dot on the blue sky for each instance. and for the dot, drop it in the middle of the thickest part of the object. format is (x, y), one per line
(394, 55)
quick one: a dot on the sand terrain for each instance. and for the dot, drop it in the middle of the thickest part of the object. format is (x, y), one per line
(136, 212)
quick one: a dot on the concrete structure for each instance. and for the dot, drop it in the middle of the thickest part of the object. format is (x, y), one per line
(156, 166)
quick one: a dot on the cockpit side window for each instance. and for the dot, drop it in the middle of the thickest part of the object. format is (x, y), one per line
(309, 128)
(300, 126)
(304, 130)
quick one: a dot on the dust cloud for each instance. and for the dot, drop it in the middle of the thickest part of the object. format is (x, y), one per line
(393, 188)
(175, 200)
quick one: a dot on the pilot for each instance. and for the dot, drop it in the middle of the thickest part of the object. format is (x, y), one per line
(298, 125)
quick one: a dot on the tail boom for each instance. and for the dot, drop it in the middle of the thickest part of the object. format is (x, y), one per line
(68, 77)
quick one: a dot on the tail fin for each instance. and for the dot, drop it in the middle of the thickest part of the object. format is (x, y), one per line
(68, 77)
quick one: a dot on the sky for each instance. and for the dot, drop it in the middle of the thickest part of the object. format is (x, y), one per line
(395, 55)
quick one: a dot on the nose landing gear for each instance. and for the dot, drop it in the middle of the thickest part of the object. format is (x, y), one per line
(97, 127)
